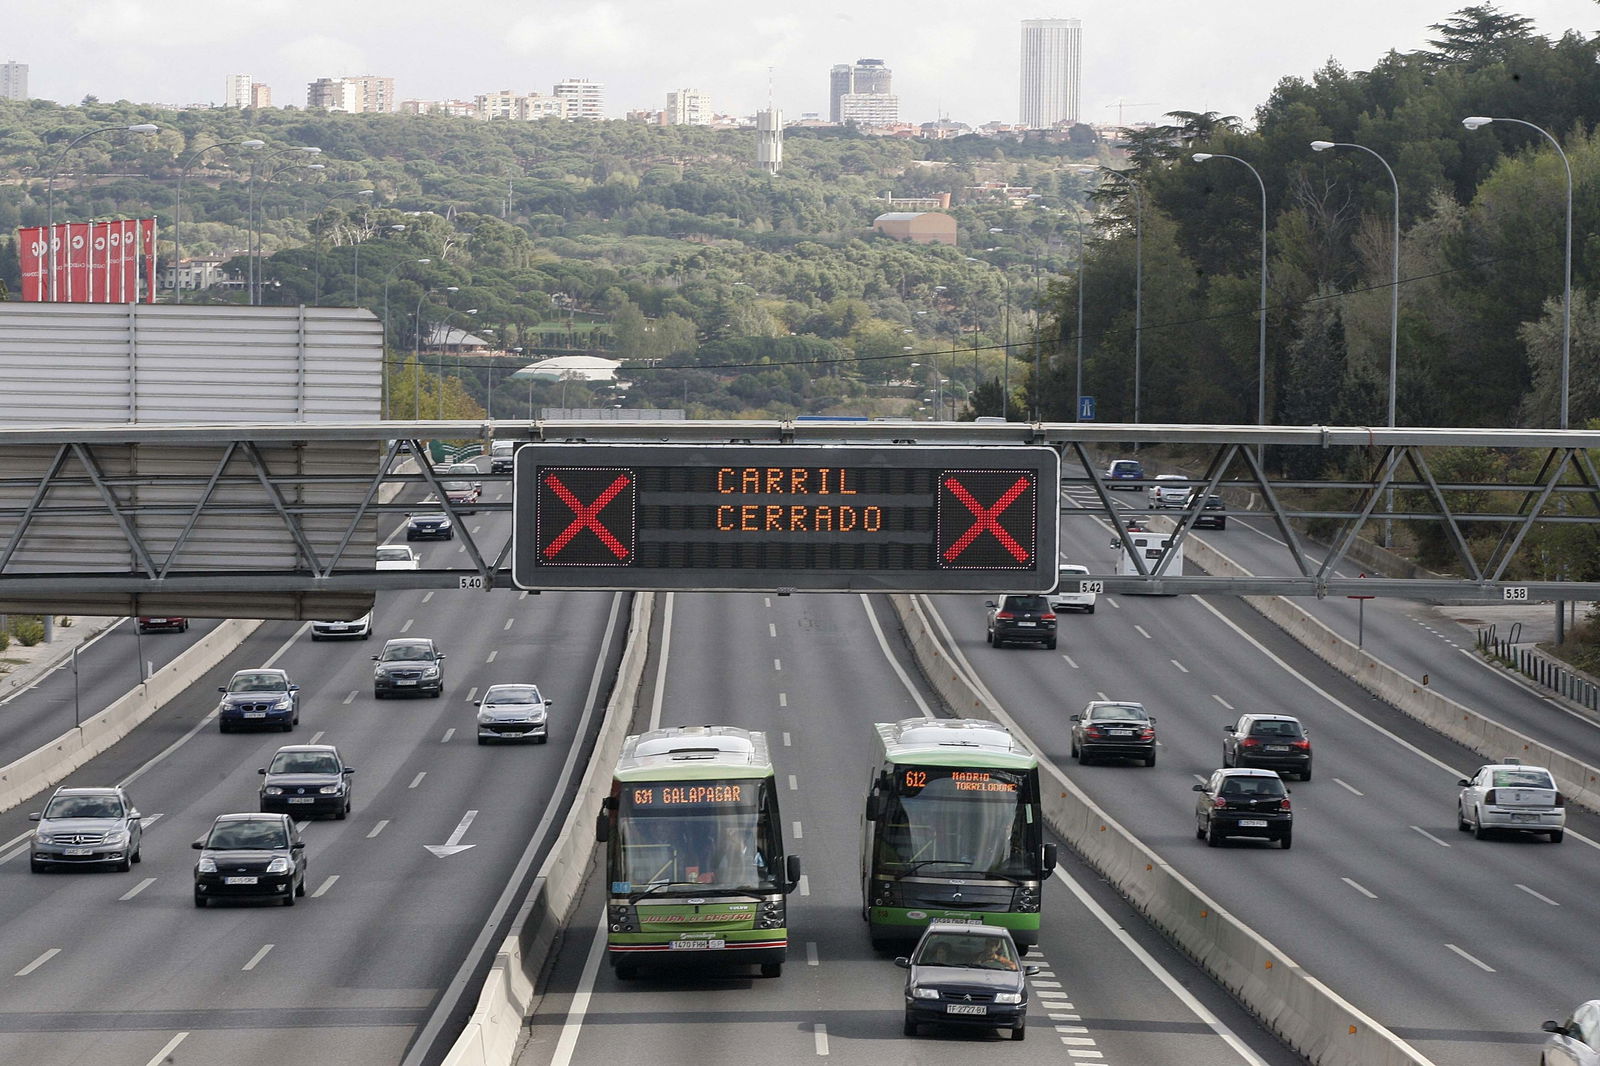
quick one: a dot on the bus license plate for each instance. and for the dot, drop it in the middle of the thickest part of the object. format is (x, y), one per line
(966, 1008)
(690, 945)
(1252, 823)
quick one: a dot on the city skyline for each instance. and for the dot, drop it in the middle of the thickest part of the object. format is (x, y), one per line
(948, 59)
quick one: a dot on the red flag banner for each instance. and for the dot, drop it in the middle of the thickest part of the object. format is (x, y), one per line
(99, 249)
(128, 291)
(79, 253)
(31, 249)
(92, 262)
(147, 232)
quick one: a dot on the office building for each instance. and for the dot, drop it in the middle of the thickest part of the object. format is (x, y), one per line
(585, 99)
(841, 80)
(236, 90)
(688, 107)
(260, 95)
(13, 81)
(861, 94)
(1052, 72)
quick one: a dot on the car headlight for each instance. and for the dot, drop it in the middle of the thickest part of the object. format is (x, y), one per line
(537, 716)
(206, 866)
(280, 865)
(485, 718)
(118, 838)
(925, 993)
(44, 838)
(330, 790)
(432, 671)
(1008, 997)
(283, 704)
(272, 790)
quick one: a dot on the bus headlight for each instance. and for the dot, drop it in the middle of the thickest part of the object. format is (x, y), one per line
(771, 915)
(622, 919)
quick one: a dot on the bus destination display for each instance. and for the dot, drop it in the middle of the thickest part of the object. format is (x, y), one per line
(807, 518)
(912, 780)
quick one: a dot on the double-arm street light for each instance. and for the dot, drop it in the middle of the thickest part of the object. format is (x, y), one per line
(1261, 308)
(252, 251)
(386, 367)
(396, 227)
(316, 282)
(444, 344)
(416, 347)
(1138, 281)
(50, 193)
(177, 207)
(1478, 122)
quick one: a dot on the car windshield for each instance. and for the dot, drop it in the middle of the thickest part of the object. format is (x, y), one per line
(511, 694)
(236, 836)
(1252, 786)
(1523, 779)
(457, 486)
(1275, 728)
(429, 518)
(84, 807)
(1119, 712)
(1026, 603)
(960, 949)
(304, 762)
(257, 683)
(406, 652)
(390, 555)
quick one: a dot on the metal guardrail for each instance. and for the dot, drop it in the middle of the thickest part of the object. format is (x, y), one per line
(1539, 669)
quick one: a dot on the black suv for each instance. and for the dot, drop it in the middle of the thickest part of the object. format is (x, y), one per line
(1243, 803)
(408, 666)
(250, 856)
(1113, 729)
(1210, 516)
(1023, 618)
(967, 975)
(1269, 741)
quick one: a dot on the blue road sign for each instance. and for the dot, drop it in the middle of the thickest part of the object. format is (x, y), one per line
(1085, 408)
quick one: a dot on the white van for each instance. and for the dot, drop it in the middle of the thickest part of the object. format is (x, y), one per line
(1150, 546)
(500, 456)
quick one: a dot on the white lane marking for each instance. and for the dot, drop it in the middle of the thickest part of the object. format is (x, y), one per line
(783, 701)
(811, 953)
(1179, 665)
(448, 733)
(893, 659)
(1222, 701)
(1101, 696)
(472, 693)
(1112, 600)
(508, 624)
(1036, 984)
(492, 654)
(1143, 633)
(1081, 1053)
(162, 1055)
(407, 627)
(257, 957)
(428, 596)
(1430, 836)
(820, 1034)
(772, 629)
(805, 885)
(1539, 895)
(136, 889)
(786, 740)
(378, 828)
(301, 825)
(1359, 888)
(660, 693)
(1479, 963)
(1078, 1041)
(1065, 1017)
(415, 781)
(150, 821)
(1049, 994)
(798, 835)
(323, 888)
(766, 601)
(316, 738)
(794, 784)
(1072, 1028)
(1070, 663)
(350, 698)
(1348, 785)
(777, 664)
(568, 1040)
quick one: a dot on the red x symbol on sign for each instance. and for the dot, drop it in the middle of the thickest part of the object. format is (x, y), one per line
(584, 516)
(986, 519)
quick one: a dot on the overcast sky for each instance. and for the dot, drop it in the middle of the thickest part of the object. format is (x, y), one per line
(959, 58)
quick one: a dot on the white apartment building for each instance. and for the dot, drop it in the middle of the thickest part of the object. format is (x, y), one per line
(870, 109)
(1052, 71)
(688, 107)
(585, 99)
(506, 105)
(361, 94)
(236, 91)
(13, 80)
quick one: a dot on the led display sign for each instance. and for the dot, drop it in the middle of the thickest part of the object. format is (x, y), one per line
(839, 518)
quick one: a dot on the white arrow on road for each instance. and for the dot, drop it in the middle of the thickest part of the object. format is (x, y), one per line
(454, 846)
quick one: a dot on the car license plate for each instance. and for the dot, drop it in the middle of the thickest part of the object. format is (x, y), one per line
(239, 880)
(1122, 732)
(1252, 823)
(405, 682)
(1027, 625)
(301, 799)
(336, 629)
(1277, 747)
(79, 851)
(690, 945)
(255, 714)
(1514, 818)
(966, 1008)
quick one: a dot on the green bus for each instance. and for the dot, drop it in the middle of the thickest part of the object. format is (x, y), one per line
(952, 831)
(694, 851)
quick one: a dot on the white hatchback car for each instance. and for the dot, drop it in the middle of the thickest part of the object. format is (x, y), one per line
(1170, 491)
(398, 557)
(513, 712)
(1066, 596)
(1511, 796)
(1575, 1042)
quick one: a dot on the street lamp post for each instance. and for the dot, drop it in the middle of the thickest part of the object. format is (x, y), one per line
(1077, 398)
(1005, 381)
(1261, 309)
(50, 192)
(357, 301)
(177, 209)
(1138, 283)
(416, 350)
(386, 279)
(1477, 122)
(316, 283)
(260, 279)
(444, 346)
(250, 213)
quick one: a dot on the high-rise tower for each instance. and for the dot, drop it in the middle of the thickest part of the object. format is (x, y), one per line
(13, 80)
(860, 94)
(1052, 71)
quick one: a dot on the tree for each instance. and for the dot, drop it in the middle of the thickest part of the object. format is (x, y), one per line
(1478, 36)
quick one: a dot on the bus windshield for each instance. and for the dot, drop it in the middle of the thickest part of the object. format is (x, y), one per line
(712, 835)
(940, 821)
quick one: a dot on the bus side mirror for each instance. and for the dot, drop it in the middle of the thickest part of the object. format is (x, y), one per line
(874, 806)
(1049, 864)
(602, 828)
(791, 869)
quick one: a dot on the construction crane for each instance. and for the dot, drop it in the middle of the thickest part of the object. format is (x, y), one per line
(1122, 105)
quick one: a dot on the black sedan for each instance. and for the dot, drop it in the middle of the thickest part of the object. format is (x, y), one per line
(970, 975)
(408, 666)
(305, 779)
(250, 856)
(435, 525)
(1211, 514)
(1112, 729)
(1243, 803)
